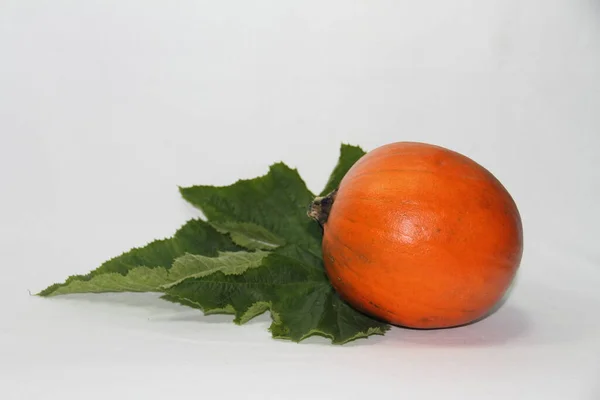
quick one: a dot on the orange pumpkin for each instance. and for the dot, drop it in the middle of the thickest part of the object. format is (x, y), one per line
(420, 236)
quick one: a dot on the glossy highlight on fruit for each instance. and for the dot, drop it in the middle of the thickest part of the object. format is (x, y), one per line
(420, 236)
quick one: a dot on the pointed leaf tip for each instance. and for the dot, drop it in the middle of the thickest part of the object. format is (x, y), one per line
(349, 155)
(195, 237)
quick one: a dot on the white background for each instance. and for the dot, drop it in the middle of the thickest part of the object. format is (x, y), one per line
(107, 105)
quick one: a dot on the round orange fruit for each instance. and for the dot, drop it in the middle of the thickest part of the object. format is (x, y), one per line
(420, 236)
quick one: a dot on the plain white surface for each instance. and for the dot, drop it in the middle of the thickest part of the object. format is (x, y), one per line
(107, 106)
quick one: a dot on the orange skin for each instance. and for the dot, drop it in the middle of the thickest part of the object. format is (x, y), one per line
(422, 237)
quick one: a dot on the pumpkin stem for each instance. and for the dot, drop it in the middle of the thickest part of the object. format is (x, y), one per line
(321, 207)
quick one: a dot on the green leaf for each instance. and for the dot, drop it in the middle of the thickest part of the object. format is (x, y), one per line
(196, 237)
(203, 265)
(145, 279)
(249, 235)
(277, 201)
(349, 155)
(292, 284)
